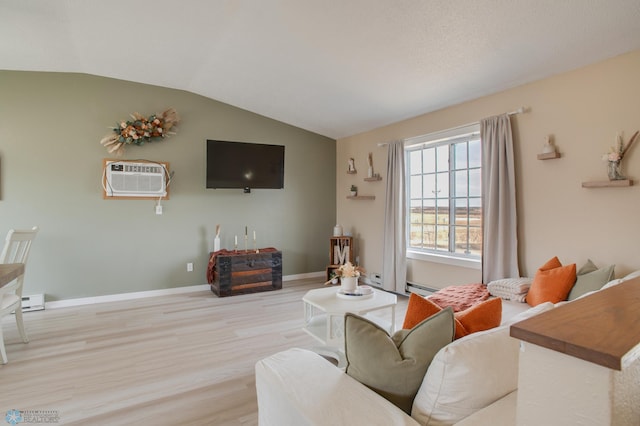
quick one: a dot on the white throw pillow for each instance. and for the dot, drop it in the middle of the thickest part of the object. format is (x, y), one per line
(470, 374)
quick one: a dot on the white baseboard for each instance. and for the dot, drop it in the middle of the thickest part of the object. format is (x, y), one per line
(303, 276)
(152, 293)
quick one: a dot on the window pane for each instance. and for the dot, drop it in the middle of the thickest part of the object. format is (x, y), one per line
(442, 183)
(429, 182)
(429, 160)
(415, 212)
(442, 213)
(461, 240)
(415, 236)
(475, 183)
(475, 154)
(415, 162)
(461, 183)
(429, 211)
(460, 150)
(415, 184)
(429, 237)
(443, 158)
(442, 238)
(475, 240)
(461, 212)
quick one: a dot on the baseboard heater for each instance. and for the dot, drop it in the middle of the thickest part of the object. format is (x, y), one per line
(34, 302)
(420, 289)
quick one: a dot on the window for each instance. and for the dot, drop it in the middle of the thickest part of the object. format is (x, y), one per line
(444, 194)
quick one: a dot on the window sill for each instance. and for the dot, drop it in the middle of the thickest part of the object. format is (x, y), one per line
(447, 260)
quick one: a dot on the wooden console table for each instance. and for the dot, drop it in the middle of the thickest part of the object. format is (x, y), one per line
(241, 272)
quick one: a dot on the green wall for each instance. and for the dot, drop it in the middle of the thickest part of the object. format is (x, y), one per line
(50, 176)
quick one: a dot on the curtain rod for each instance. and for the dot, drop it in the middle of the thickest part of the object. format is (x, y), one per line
(520, 110)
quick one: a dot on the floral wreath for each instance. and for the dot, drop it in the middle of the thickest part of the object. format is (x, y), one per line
(140, 130)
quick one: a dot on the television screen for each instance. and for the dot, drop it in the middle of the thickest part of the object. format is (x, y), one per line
(244, 165)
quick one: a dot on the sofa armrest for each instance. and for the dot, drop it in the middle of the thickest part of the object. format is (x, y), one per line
(299, 387)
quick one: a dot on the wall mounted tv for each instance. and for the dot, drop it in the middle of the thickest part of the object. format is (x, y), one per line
(244, 165)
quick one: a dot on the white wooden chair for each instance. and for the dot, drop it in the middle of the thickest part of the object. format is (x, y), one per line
(16, 250)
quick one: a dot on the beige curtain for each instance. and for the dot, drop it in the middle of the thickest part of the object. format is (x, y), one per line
(499, 241)
(394, 263)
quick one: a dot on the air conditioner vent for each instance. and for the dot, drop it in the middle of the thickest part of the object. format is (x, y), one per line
(131, 179)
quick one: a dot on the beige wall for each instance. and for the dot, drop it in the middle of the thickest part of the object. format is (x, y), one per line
(583, 110)
(50, 128)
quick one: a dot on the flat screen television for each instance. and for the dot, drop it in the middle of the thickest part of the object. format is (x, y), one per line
(244, 165)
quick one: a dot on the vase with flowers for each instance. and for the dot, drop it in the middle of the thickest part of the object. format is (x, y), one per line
(615, 155)
(349, 275)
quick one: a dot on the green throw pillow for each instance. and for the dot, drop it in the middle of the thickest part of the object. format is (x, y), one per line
(590, 281)
(587, 267)
(394, 366)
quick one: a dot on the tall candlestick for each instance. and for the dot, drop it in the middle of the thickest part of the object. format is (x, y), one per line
(255, 246)
(236, 243)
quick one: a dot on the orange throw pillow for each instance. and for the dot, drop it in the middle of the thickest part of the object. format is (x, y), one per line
(552, 263)
(482, 316)
(551, 283)
(418, 310)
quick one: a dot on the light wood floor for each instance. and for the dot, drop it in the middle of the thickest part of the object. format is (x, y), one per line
(184, 359)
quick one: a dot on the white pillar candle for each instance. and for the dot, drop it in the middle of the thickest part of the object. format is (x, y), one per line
(236, 240)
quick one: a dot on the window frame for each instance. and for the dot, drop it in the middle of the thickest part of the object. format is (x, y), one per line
(433, 140)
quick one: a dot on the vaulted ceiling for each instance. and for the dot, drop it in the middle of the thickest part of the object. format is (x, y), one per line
(334, 67)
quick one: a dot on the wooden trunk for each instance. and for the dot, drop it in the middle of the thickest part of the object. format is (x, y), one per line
(241, 273)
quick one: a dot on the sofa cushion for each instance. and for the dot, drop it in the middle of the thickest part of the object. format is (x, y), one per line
(394, 366)
(470, 374)
(551, 283)
(299, 387)
(592, 280)
(483, 316)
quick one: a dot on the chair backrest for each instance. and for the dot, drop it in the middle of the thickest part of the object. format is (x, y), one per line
(17, 245)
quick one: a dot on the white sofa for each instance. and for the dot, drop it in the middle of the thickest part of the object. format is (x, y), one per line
(472, 381)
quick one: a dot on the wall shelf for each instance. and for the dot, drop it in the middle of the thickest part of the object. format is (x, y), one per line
(373, 179)
(549, 156)
(361, 197)
(607, 183)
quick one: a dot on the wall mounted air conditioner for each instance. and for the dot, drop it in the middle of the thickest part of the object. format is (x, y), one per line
(34, 302)
(135, 179)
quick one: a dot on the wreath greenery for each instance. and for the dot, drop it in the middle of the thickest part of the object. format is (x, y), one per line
(140, 130)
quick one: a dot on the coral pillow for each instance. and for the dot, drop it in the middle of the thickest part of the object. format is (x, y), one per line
(482, 316)
(552, 283)
(418, 310)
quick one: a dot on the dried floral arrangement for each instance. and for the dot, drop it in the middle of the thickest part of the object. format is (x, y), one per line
(140, 130)
(616, 153)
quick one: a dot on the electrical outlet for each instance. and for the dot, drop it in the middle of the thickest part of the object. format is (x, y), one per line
(189, 267)
(159, 209)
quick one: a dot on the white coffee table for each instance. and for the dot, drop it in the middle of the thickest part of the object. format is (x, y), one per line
(324, 315)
